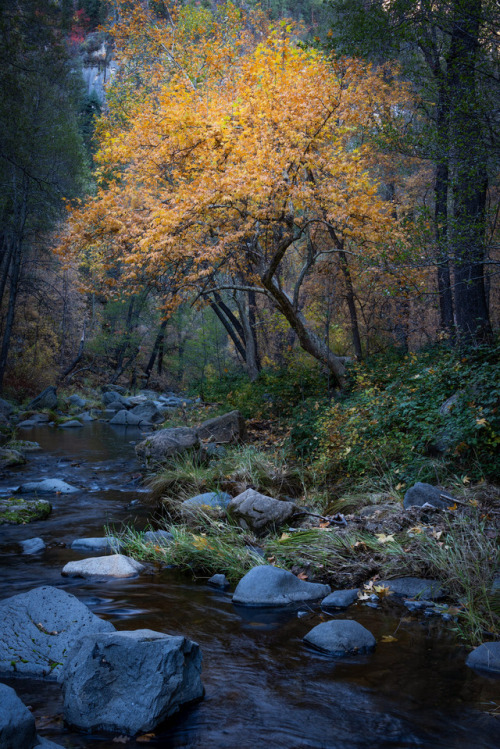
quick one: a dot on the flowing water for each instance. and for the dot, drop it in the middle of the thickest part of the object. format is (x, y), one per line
(264, 688)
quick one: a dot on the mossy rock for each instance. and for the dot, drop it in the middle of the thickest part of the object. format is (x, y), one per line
(16, 510)
(24, 446)
(10, 458)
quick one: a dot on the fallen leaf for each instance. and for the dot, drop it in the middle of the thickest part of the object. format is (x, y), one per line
(453, 507)
(302, 576)
(284, 536)
(145, 738)
(437, 534)
(382, 591)
(466, 480)
(399, 487)
(382, 538)
(388, 638)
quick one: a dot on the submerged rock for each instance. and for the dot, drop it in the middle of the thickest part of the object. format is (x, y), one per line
(256, 512)
(421, 494)
(117, 566)
(17, 510)
(47, 486)
(340, 599)
(486, 657)
(33, 545)
(265, 585)
(129, 682)
(341, 637)
(38, 628)
(414, 587)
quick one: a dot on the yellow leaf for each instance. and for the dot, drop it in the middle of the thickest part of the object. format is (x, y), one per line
(382, 591)
(466, 480)
(388, 638)
(382, 538)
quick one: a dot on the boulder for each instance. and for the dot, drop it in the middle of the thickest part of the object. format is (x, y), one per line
(208, 499)
(47, 486)
(17, 724)
(115, 407)
(485, 657)
(24, 446)
(159, 538)
(340, 599)
(421, 494)
(27, 424)
(17, 510)
(148, 412)
(75, 400)
(5, 408)
(227, 428)
(117, 566)
(4, 422)
(414, 587)
(71, 424)
(112, 396)
(46, 399)
(129, 682)
(167, 442)
(85, 416)
(106, 545)
(126, 419)
(113, 388)
(265, 585)
(219, 581)
(33, 545)
(10, 458)
(341, 637)
(39, 627)
(258, 513)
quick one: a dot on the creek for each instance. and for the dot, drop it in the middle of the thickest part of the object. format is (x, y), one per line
(264, 688)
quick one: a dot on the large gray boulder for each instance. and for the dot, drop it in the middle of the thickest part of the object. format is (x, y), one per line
(421, 494)
(125, 418)
(129, 682)
(485, 657)
(148, 412)
(117, 566)
(47, 486)
(75, 400)
(111, 396)
(341, 637)
(229, 427)
(17, 724)
(265, 585)
(39, 627)
(258, 513)
(166, 443)
(414, 587)
(46, 399)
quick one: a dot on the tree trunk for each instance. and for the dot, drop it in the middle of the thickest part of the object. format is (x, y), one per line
(156, 347)
(351, 305)
(13, 289)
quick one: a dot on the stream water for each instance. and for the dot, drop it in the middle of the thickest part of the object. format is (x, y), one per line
(264, 688)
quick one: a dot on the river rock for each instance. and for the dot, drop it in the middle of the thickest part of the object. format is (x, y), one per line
(341, 637)
(126, 418)
(33, 545)
(258, 513)
(167, 442)
(486, 657)
(265, 585)
(27, 424)
(117, 566)
(129, 682)
(106, 544)
(421, 494)
(46, 399)
(208, 499)
(17, 510)
(10, 458)
(229, 427)
(414, 587)
(71, 424)
(24, 446)
(219, 581)
(159, 538)
(111, 396)
(75, 400)
(39, 627)
(17, 724)
(340, 599)
(47, 486)
(5, 408)
(113, 388)
(85, 416)
(148, 412)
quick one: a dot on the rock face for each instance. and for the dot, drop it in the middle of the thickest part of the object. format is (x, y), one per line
(486, 657)
(229, 427)
(46, 399)
(148, 412)
(256, 512)
(17, 724)
(10, 458)
(166, 443)
(341, 637)
(208, 499)
(17, 510)
(414, 587)
(126, 418)
(130, 681)
(340, 599)
(271, 586)
(47, 486)
(117, 566)
(421, 494)
(33, 545)
(39, 627)
(107, 544)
